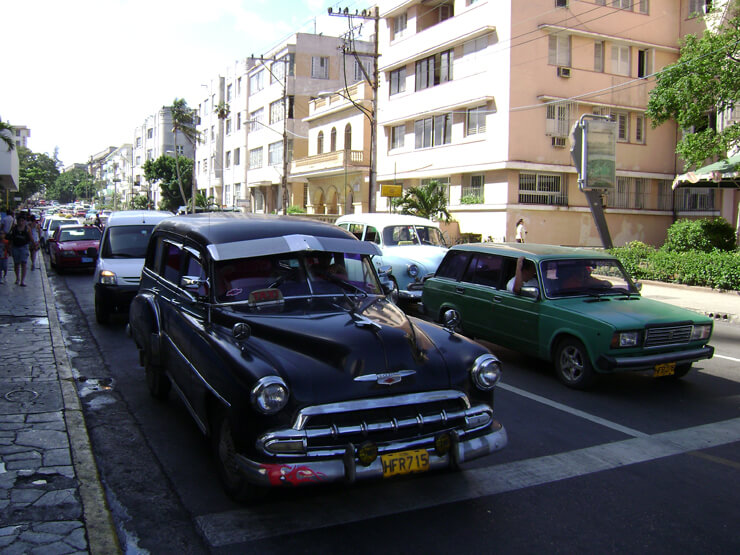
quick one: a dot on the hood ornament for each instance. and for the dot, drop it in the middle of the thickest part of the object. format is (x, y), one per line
(386, 378)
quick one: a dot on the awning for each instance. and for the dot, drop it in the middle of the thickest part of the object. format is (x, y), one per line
(724, 174)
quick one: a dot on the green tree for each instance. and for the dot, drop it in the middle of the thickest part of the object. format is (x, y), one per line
(170, 173)
(70, 186)
(36, 172)
(703, 82)
(427, 201)
(140, 202)
(7, 138)
(183, 121)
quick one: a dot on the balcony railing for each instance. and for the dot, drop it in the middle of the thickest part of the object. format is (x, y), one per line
(329, 161)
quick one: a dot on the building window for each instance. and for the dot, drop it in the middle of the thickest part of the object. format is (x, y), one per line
(227, 194)
(623, 4)
(150, 133)
(629, 193)
(621, 60)
(665, 195)
(149, 154)
(255, 158)
(695, 200)
(444, 182)
(640, 129)
(180, 149)
(275, 153)
(259, 200)
(348, 137)
(138, 142)
(400, 22)
(398, 81)
(228, 126)
(472, 193)
(623, 128)
(558, 52)
(279, 67)
(228, 92)
(239, 86)
(699, 7)
(237, 156)
(359, 73)
(320, 143)
(228, 159)
(333, 140)
(434, 70)
(238, 121)
(475, 120)
(561, 3)
(434, 131)
(277, 111)
(320, 67)
(542, 188)
(398, 133)
(643, 6)
(213, 132)
(257, 82)
(644, 62)
(255, 119)
(475, 45)
(557, 122)
(599, 56)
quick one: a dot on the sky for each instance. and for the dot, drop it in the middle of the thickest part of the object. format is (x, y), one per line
(83, 74)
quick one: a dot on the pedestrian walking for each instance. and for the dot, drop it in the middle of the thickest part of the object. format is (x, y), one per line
(521, 231)
(4, 254)
(20, 239)
(6, 224)
(35, 241)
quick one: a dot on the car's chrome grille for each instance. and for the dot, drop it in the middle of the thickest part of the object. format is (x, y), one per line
(668, 335)
(404, 418)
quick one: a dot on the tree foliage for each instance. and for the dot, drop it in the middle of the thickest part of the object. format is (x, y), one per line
(703, 235)
(6, 135)
(704, 81)
(427, 201)
(164, 171)
(183, 121)
(36, 172)
(72, 185)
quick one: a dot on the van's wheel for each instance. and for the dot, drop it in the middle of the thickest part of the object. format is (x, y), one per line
(572, 364)
(156, 379)
(102, 311)
(224, 449)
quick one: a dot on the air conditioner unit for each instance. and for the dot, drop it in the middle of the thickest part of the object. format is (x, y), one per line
(563, 71)
(558, 142)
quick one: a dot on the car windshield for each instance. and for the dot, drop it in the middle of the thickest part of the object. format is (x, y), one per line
(79, 234)
(579, 277)
(413, 235)
(295, 275)
(127, 241)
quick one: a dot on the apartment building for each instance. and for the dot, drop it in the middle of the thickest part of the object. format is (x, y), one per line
(117, 174)
(481, 96)
(21, 133)
(152, 139)
(336, 170)
(281, 85)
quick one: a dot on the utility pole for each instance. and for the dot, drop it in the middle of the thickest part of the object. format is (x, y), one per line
(373, 15)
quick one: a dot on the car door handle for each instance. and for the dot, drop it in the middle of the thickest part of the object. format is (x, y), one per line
(459, 289)
(497, 298)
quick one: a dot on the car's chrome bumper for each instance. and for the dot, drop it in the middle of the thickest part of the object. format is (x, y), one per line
(413, 292)
(349, 469)
(647, 362)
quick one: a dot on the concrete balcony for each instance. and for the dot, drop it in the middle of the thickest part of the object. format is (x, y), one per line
(329, 162)
(9, 168)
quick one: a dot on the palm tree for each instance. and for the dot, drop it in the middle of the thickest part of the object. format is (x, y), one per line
(222, 111)
(427, 201)
(183, 120)
(7, 139)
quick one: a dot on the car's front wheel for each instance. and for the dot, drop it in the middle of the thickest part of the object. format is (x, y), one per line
(572, 364)
(224, 449)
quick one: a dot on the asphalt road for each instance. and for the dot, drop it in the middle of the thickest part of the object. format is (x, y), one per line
(634, 465)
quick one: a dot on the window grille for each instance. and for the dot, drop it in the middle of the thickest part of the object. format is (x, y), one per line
(542, 188)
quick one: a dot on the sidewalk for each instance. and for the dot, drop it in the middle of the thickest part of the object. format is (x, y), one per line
(51, 498)
(722, 306)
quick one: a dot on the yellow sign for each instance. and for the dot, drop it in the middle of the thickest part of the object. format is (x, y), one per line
(391, 190)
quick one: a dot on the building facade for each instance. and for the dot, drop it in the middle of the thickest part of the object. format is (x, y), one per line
(482, 96)
(117, 175)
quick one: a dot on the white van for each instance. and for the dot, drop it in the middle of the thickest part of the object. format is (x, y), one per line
(121, 258)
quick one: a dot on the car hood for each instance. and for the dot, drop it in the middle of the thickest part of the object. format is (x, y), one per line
(124, 268)
(633, 312)
(427, 255)
(329, 356)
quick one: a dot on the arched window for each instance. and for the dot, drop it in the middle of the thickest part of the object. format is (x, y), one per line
(320, 143)
(333, 140)
(348, 137)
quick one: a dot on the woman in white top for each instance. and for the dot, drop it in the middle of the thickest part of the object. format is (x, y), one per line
(521, 231)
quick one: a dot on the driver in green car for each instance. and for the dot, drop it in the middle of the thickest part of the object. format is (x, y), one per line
(526, 276)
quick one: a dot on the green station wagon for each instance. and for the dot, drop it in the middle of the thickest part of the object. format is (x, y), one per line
(580, 310)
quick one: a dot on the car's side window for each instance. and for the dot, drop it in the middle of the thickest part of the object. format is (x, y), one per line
(171, 262)
(485, 269)
(372, 235)
(194, 268)
(453, 265)
(154, 255)
(356, 230)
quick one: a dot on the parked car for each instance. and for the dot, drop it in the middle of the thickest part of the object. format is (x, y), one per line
(121, 257)
(413, 247)
(276, 333)
(74, 246)
(585, 314)
(50, 225)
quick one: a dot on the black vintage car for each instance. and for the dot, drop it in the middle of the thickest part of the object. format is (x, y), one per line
(277, 334)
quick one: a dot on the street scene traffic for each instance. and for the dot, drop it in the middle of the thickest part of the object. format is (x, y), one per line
(421, 276)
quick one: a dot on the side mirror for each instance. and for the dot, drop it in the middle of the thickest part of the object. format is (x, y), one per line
(192, 284)
(638, 286)
(529, 291)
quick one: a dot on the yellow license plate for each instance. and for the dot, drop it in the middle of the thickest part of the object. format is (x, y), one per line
(405, 462)
(667, 369)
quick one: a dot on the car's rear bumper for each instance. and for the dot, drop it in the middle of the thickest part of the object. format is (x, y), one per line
(609, 363)
(349, 469)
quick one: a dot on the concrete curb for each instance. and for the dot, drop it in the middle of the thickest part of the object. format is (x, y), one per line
(101, 534)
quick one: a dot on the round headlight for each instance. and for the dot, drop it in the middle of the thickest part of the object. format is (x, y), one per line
(486, 372)
(413, 270)
(270, 395)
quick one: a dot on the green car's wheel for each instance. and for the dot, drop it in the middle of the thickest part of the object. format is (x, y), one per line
(572, 364)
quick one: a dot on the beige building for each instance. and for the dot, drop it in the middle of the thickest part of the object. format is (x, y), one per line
(482, 96)
(335, 172)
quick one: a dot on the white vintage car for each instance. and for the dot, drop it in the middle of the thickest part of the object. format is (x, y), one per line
(413, 247)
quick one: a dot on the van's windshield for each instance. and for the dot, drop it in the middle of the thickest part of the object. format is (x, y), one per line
(126, 241)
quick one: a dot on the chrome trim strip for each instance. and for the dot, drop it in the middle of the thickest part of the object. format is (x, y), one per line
(195, 371)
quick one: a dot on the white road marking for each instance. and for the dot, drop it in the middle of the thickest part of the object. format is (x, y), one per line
(726, 358)
(586, 416)
(326, 510)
